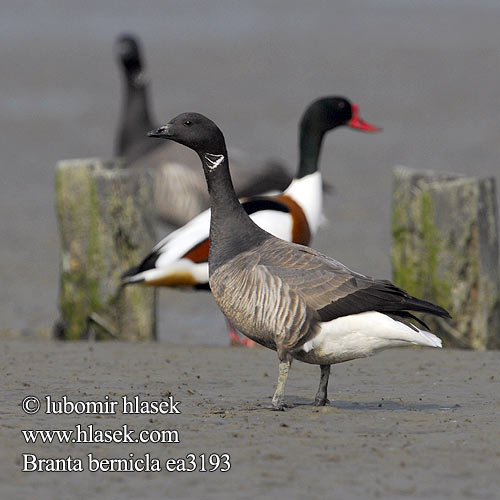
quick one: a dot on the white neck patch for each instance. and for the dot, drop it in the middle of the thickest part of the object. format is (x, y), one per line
(213, 161)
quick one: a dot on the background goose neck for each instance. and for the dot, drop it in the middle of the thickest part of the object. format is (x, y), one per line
(136, 118)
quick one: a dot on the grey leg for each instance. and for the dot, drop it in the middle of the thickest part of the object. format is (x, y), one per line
(321, 396)
(279, 395)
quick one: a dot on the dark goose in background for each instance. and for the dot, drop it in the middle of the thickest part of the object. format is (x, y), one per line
(289, 297)
(135, 119)
(180, 187)
(181, 259)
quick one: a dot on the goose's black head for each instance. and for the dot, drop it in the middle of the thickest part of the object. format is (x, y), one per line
(195, 131)
(329, 112)
(129, 53)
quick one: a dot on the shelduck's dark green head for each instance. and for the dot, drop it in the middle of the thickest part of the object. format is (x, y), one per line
(330, 112)
(195, 131)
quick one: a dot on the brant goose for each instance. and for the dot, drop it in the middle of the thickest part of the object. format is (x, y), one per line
(181, 259)
(135, 120)
(286, 296)
(180, 189)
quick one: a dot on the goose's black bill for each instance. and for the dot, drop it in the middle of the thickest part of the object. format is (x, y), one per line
(165, 132)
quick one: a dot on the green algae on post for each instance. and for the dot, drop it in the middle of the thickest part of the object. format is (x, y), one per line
(105, 219)
(445, 249)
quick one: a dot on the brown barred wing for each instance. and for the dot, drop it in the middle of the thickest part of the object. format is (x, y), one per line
(332, 289)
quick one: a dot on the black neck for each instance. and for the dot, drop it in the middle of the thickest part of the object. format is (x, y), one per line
(137, 95)
(231, 229)
(311, 135)
(136, 119)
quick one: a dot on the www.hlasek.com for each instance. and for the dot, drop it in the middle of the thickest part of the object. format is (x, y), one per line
(202, 462)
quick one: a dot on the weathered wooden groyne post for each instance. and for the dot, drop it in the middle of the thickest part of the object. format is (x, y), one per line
(106, 225)
(445, 249)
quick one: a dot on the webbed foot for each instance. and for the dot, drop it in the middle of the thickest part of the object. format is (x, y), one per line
(237, 340)
(321, 402)
(279, 406)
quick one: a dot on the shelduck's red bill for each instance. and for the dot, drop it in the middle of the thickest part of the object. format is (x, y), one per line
(358, 123)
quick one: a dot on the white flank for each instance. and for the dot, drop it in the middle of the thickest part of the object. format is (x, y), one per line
(359, 335)
(171, 249)
(308, 193)
(277, 223)
(178, 242)
(198, 271)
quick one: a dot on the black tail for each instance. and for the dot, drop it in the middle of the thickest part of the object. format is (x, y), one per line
(381, 296)
(401, 300)
(131, 272)
(424, 306)
(148, 263)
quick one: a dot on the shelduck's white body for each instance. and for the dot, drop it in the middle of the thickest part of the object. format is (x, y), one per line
(178, 263)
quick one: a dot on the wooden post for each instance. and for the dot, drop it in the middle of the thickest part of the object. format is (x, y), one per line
(106, 224)
(445, 249)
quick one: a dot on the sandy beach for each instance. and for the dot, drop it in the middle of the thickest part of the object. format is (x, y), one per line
(408, 423)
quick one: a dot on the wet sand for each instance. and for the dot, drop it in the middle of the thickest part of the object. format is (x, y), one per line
(408, 423)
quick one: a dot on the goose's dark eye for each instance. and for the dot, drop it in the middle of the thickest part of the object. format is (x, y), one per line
(341, 105)
(188, 123)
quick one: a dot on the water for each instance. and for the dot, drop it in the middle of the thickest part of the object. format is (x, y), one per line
(426, 73)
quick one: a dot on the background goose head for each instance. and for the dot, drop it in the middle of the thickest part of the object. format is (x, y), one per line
(129, 55)
(195, 131)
